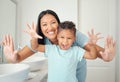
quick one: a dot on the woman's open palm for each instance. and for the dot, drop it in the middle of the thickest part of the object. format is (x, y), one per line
(32, 31)
(110, 48)
(8, 49)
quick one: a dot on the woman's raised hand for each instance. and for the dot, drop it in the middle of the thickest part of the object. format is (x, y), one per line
(93, 38)
(32, 31)
(110, 49)
(8, 49)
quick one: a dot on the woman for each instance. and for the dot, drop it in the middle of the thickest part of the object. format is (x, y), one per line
(47, 28)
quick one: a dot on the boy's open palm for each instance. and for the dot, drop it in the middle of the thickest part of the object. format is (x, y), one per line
(93, 38)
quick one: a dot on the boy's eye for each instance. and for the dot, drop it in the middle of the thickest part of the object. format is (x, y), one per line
(62, 37)
(69, 38)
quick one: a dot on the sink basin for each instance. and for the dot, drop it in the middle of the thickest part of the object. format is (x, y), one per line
(13, 72)
(35, 62)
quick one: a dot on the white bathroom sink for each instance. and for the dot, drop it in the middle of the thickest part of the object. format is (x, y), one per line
(13, 72)
(35, 62)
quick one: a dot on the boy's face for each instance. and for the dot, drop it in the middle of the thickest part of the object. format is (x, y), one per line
(65, 38)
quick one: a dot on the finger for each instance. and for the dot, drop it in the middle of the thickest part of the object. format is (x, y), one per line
(33, 25)
(26, 31)
(3, 42)
(40, 37)
(111, 42)
(7, 39)
(98, 34)
(11, 43)
(108, 39)
(102, 54)
(92, 31)
(106, 43)
(28, 26)
(89, 34)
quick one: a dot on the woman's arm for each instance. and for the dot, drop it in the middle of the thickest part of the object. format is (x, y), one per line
(37, 47)
(91, 52)
(34, 41)
(24, 53)
(12, 55)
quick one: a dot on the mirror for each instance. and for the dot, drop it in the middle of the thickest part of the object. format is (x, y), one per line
(7, 20)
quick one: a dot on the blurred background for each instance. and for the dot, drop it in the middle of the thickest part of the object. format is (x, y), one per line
(102, 15)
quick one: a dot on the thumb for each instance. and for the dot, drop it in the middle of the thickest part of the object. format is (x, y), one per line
(102, 53)
(40, 37)
(15, 52)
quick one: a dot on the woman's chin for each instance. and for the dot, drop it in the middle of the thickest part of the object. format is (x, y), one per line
(52, 37)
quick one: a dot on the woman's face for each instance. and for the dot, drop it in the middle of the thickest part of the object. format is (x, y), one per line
(49, 26)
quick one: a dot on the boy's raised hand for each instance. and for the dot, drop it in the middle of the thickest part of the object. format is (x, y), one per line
(32, 31)
(93, 38)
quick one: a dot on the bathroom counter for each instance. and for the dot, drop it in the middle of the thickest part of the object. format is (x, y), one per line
(39, 75)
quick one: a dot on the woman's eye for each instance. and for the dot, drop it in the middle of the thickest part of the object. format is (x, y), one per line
(53, 22)
(44, 24)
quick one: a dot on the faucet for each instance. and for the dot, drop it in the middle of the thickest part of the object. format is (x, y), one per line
(1, 54)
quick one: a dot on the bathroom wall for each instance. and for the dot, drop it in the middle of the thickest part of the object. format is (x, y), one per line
(118, 43)
(7, 20)
(100, 15)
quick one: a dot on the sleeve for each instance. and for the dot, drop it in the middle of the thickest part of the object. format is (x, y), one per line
(29, 46)
(49, 49)
(81, 54)
(81, 39)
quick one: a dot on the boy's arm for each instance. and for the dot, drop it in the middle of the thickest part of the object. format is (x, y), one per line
(91, 52)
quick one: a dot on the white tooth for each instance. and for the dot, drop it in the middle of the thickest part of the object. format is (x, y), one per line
(50, 32)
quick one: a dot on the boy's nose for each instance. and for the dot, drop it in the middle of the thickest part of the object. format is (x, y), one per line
(65, 41)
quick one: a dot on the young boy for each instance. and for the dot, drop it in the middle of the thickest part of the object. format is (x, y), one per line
(63, 58)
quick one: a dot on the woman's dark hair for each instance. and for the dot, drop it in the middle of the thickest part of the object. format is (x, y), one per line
(39, 31)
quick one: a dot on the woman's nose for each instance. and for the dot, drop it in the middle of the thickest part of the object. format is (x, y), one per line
(50, 27)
